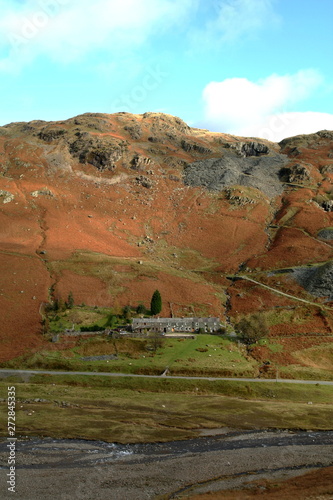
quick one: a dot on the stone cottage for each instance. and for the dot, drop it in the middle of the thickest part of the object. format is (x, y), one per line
(169, 325)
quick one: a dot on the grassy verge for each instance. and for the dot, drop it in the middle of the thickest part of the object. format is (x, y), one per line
(136, 410)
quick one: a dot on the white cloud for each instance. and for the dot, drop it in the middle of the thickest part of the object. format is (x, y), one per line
(233, 20)
(282, 125)
(238, 17)
(241, 107)
(66, 30)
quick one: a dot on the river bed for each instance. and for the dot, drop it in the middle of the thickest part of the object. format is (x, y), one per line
(89, 470)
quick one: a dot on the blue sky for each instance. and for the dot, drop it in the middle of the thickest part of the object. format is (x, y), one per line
(249, 67)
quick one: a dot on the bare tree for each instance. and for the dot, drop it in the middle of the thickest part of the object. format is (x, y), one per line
(252, 328)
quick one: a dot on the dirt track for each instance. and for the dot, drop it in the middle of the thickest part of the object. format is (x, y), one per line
(83, 470)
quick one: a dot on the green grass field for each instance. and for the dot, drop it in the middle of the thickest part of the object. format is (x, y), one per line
(79, 316)
(128, 410)
(205, 355)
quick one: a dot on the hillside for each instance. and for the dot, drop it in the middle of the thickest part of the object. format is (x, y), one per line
(111, 207)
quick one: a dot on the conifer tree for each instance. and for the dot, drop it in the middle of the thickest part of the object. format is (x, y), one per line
(70, 301)
(156, 303)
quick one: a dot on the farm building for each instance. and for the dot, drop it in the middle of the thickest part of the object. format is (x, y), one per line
(168, 325)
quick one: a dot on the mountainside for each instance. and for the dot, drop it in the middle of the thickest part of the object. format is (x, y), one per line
(113, 207)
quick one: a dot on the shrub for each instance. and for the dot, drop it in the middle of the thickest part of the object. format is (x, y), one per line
(92, 328)
(141, 309)
(126, 312)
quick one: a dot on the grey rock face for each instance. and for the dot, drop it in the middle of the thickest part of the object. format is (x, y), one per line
(318, 280)
(326, 234)
(254, 149)
(260, 172)
(246, 149)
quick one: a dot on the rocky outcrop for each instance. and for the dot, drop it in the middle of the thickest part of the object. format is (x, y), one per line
(134, 131)
(6, 196)
(44, 192)
(294, 174)
(317, 280)
(325, 134)
(327, 205)
(246, 149)
(90, 121)
(140, 162)
(326, 169)
(238, 198)
(310, 141)
(155, 139)
(162, 122)
(162, 128)
(144, 181)
(101, 152)
(49, 134)
(190, 146)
